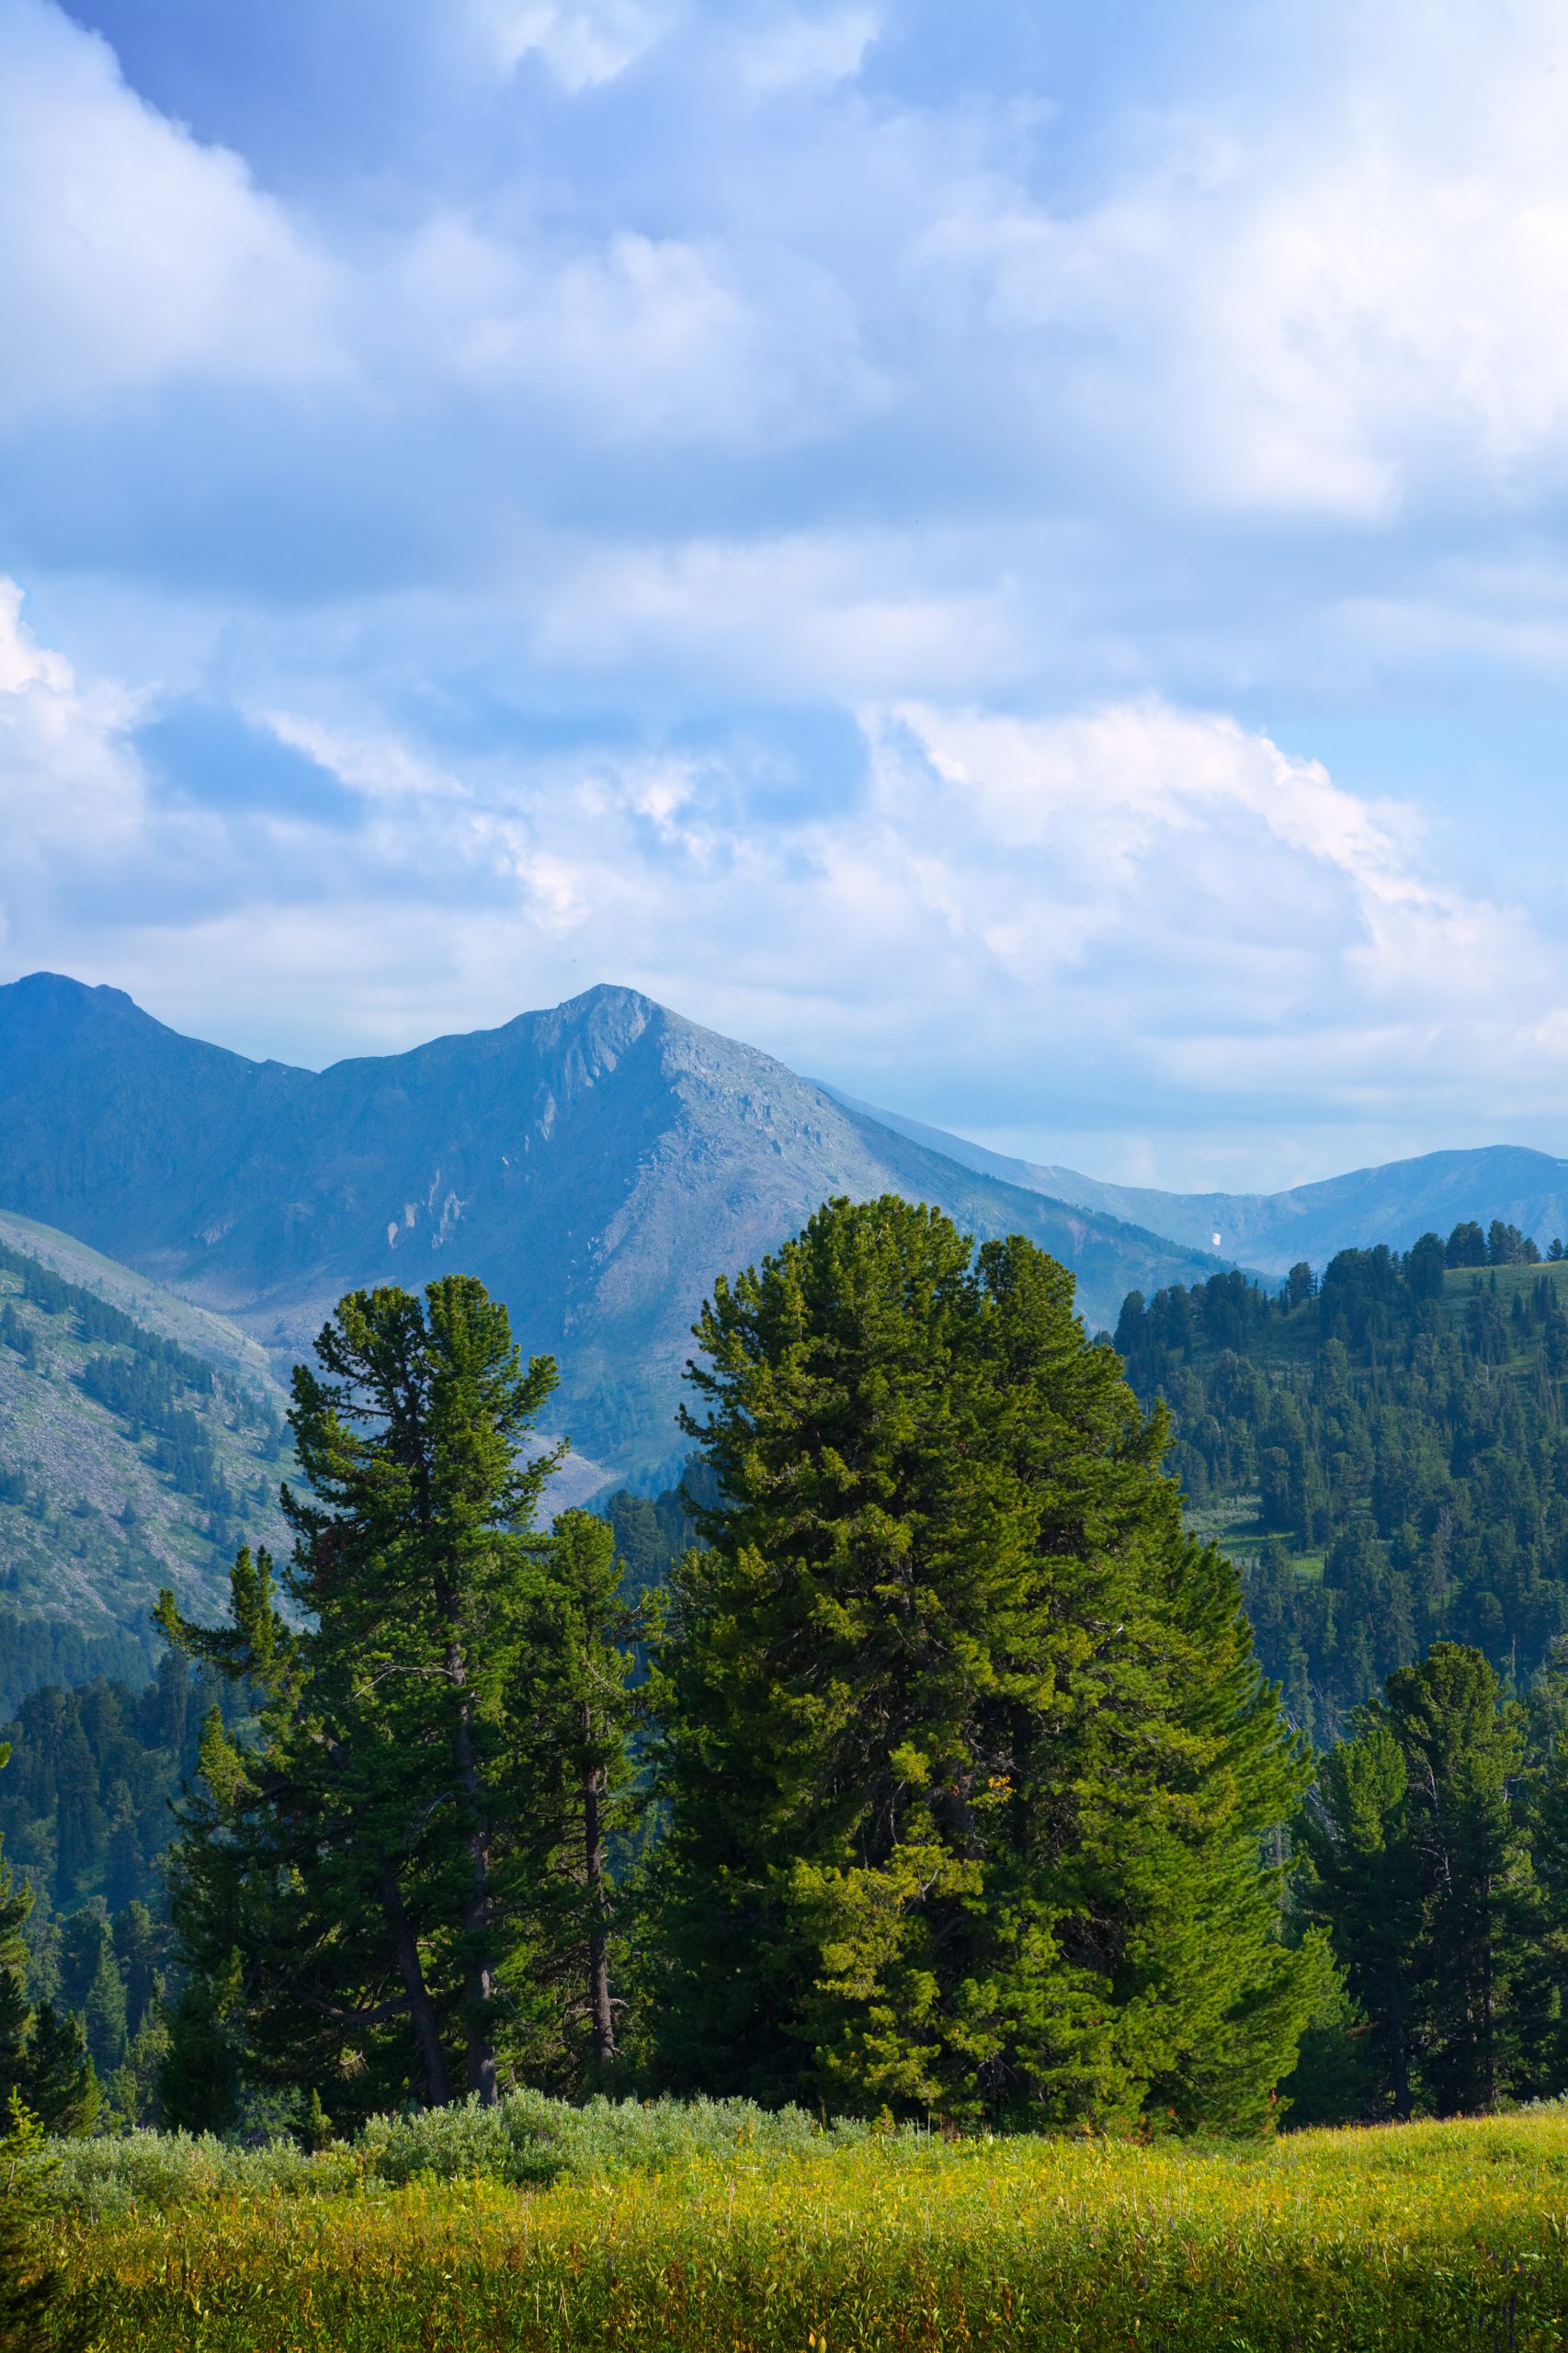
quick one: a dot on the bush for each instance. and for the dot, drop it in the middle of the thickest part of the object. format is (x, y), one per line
(527, 2140)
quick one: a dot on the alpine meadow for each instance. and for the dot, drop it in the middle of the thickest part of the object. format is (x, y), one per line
(896, 1822)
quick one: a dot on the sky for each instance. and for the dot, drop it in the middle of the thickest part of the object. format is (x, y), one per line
(1014, 557)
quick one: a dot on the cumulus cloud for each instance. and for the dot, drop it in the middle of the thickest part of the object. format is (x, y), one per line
(1342, 304)
(848, 531)
(1132, 901)
(129, 252)
(70, 790)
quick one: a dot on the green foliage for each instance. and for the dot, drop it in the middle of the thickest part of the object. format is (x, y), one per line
(1398, 1440)
(198, 2077)
(43, 2054)
(1417, 1848)
(407, 1856)
(29, 2291)
(59, 2082)
(526, 2139)
(965, 1756)
(570, 1716)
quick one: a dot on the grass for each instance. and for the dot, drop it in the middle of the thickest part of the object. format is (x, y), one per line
(1429, 2236)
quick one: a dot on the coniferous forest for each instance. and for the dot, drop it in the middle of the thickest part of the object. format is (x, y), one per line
(916, 1759)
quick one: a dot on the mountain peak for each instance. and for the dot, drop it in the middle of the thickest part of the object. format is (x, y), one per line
(57, 992)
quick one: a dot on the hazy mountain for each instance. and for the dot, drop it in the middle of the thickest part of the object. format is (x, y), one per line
(1395, 1203)
(597, 1165)
(140, 1439)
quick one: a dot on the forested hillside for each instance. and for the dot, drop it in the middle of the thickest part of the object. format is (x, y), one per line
(131, 1457)
(1385, 1451)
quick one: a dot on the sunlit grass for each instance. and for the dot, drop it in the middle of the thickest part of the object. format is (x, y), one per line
(1431, 2237)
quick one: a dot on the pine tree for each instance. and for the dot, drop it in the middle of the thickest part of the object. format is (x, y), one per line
(356, 1849)
(16, 2011)
(966, 1761)
(43, 2058)
(198, 2069)
(1419, 1865)
(572, 1714)
(1361, 1884)
(1461, 1745)
(30, 2293)
(104, 2021)
(60, 2083)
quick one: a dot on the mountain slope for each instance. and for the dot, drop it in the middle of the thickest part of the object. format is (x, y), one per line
(1395, 1203)
(596, 1164)
(139, 1439)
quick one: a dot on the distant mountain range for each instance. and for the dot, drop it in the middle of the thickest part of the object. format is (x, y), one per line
(1272, 1231)
(597, 1166)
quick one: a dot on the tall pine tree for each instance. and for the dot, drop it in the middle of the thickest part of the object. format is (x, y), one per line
(354, 1851)
(966, 1761)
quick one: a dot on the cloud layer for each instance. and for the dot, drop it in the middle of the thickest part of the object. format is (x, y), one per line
(1014, 564)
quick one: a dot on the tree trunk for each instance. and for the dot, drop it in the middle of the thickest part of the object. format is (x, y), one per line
(421, 2009)
(600, 2011)
(1399, 2058)
(479, 1977)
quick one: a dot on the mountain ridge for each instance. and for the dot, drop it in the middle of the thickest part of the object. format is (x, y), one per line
(597, 1164)
(1394, 1201)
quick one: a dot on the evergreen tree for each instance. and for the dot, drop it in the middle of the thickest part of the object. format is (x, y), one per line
(1400, 1430)
(966, 1761)
(1419, 1866)
(30, 2293)
(198, 2080)
(1461, 1745)
(104, 2020)
(1361, 1884)
(59, 2082)
(43, 2057)
(356, 1850)
(573, 1715)
(14, 2010)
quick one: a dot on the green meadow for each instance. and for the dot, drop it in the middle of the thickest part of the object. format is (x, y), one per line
(1423, 2236)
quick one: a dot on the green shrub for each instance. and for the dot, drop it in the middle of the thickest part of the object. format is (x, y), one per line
(527, 2140)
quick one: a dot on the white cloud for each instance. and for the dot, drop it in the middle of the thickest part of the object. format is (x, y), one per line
(796, 50)
(1341, 300)
(129, 252)
(1136, 898)
(582, 43)
(69, 791)
(629, 336)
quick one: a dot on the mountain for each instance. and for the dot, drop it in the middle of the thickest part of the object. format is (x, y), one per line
(1272, 1231)
(140, 1439)
(597, 1165)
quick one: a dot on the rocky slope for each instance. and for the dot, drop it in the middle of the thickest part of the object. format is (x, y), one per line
(141, 1439)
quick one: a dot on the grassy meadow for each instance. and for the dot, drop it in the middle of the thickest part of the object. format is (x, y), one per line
(1426, 2237)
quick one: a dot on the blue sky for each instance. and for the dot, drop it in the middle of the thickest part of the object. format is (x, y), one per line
(1012, 556)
